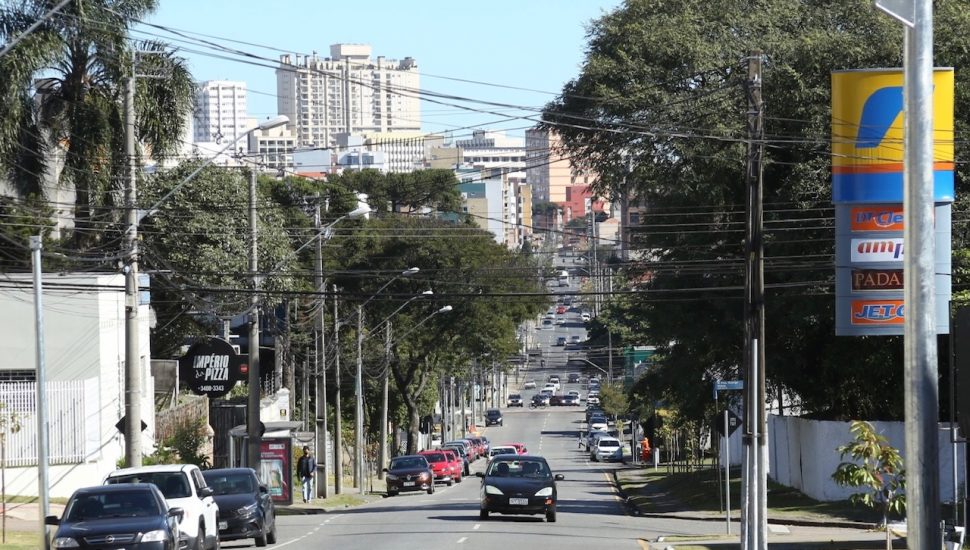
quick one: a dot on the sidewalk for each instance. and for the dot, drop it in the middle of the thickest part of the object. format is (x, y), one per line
(788, 529)
(25, 516)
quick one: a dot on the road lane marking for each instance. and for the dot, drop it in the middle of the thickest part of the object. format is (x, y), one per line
(476, 526)
(461, 540)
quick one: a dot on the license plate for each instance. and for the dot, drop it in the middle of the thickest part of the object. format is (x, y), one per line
(409, 484)
(223, 525)
(518, 501)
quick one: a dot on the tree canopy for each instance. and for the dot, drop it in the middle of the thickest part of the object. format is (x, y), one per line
(662, 86)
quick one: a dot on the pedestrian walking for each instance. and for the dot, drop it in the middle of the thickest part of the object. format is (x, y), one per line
(306, 466)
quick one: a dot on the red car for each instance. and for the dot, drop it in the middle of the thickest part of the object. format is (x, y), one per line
(520, 447)
(440, 465)
(457, 464)
(561, 309)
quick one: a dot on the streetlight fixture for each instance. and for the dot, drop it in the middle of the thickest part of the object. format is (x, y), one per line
(133, 415)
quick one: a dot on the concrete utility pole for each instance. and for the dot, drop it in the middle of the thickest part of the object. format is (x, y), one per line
(359, 405)
(754, 528)
(132, 427)
(323, 489)
(43, 456)
(382, 458)
(338, 464)
(252, 403)
(919, 329)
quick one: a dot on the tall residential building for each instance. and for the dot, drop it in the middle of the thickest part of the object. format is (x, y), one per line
(548, 171)
(274, 148)
(220, 111)
(347, 92)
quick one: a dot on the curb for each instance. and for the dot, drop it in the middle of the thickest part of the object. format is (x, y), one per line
(633, 510)
(311, 510)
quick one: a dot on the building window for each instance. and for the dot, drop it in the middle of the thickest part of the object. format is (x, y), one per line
(22, 375)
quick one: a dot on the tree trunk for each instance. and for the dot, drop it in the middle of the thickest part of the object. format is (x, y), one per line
(414, 423)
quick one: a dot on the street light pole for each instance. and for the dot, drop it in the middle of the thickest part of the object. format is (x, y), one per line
(133, 397)
(382, 458)
(252, 403)
(359, 428)
(338, 465)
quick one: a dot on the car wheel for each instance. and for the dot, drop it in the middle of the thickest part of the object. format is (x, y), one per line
(551, 515)
(451, 482)
(271, 536)
(431, 488)
(392, 493)
(200, 539)
(261, 539)
(483, 514)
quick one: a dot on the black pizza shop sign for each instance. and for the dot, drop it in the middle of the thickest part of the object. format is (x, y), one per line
(211, 367)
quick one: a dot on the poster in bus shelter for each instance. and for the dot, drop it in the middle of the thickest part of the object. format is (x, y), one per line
(275, 468)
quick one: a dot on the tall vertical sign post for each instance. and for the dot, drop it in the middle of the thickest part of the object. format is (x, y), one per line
(869, 168)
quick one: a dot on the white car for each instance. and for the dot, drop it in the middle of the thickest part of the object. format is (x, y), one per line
(573, 393)
(586, 316)
(606, 448)
(593, 399)
(529, 385)
(183, 487)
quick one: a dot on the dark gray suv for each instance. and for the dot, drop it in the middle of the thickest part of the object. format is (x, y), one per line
(493, 417)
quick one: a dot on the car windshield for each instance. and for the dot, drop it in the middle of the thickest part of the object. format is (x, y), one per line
(609, 443)
(435, 457)
(502, 451)
(230, 484)
(172, 484)
(408, 463)
(91, 506)
(519, 468)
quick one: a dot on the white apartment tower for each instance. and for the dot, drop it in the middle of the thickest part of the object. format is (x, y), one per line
(347, 92)
(220, 111)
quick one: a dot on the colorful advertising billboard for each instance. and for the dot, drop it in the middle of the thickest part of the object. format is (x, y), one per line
(867, 189)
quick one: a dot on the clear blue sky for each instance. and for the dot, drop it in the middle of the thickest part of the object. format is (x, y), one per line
(536, 44)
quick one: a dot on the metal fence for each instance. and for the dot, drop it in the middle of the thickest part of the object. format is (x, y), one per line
(73, 421)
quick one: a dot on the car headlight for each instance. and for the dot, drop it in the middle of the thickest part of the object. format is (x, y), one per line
(65, 542)
(424, 475)
(391, 477)
(544, 492)
(493, 490)
(247, 510)
(158, 535)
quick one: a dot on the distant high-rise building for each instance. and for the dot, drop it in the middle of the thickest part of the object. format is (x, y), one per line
(220, 111)
(347, 92)
(547, 170)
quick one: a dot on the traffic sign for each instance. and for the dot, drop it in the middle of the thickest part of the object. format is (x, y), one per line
(728, 385)
(734, 421)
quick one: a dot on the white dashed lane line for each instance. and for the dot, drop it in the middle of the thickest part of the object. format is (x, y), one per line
(476, 526)
(461, 540)
(298, 539)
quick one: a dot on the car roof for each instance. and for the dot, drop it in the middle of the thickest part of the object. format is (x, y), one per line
(224, 471)
(170, 468)
(115, 488)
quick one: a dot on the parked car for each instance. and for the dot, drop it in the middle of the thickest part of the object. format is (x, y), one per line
(561, 341)
(502, 450)
(409, 473)
(519, 484)
(573, 377)
(574, 339)
(183, 487)
(462, 452)
(586, 316)
(515, 400)
(246, 509)
(467, 448)
(607, 448)
(441, 466)
(457, 463)
(135, 515)
(593, 399)
(493, 417)
(529, 385)
(561, 309)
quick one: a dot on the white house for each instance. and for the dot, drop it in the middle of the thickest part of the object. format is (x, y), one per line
(84, 337)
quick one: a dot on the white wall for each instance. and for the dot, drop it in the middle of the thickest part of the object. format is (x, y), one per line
(802, 454)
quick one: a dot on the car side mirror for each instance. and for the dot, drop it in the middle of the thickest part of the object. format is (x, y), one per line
(176, 513)
(206, 492)
(559, 477)
(264, 489)
(480, 474)
(384, 469)
(52, 520)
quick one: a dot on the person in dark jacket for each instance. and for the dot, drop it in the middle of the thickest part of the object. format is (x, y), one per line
(306, 466)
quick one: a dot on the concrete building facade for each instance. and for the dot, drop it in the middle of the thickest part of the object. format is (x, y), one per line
(347, 92)
(548, 171)
(220, 111)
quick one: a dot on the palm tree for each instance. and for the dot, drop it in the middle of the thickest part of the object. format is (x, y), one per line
(61, 104)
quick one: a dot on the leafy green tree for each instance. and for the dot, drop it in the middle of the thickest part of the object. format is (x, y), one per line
(62, 90)
(877, 469)
(614, 400)
(488, 287)
(662, 83)
(198, 244)
(405, 192)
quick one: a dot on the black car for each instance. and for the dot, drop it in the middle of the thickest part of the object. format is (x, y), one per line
(132, 516)
(409, 473)
(246, 509)
(493, 417)
(519, 484)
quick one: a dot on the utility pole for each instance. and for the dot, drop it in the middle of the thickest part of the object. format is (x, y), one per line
(320, 388)
(43, 454)
(252, 402)
(133, 396)
(382, 459)
(359, 405)
(338, 464)
(754, 527)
